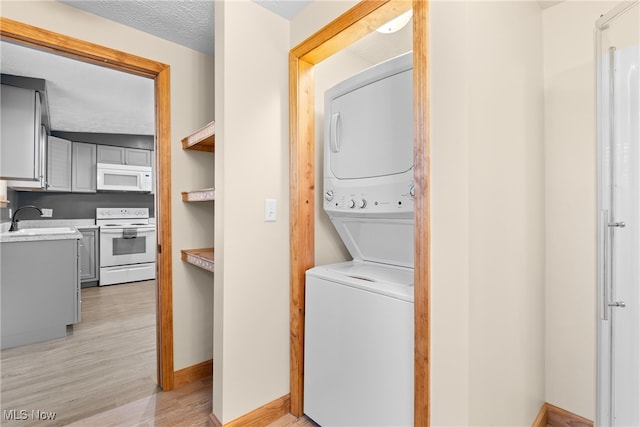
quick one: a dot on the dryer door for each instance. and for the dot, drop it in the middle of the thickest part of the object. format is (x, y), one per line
(369, 130)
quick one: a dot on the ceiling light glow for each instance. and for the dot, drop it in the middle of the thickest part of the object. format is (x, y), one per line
(396, 24)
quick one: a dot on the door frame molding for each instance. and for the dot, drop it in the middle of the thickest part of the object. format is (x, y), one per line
(81, 50)
(354, 24)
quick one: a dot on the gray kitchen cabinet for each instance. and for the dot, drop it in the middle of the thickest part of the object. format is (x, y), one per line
(40, 292)
(41, 183)
(89, 247)
(124, 156)
(83, 168)
(20, 138)
(137, 157)
(110, 154)
(58, 164)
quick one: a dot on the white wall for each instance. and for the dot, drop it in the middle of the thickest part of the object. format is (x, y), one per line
(316, 15)
(570, 159)
(488, 213)
(450, 255)
(191, 107)
(251, 305)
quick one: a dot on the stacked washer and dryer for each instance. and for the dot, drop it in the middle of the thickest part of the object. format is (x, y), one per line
(359, 314)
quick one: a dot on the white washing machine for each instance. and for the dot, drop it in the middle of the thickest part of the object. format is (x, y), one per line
(359, 345)
(358, 367)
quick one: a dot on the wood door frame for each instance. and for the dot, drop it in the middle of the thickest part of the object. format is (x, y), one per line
(354, 24)
(60, 44)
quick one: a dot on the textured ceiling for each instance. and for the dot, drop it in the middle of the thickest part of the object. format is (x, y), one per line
(85, 97)
(288, 9)
(185, 22)
(188, 23)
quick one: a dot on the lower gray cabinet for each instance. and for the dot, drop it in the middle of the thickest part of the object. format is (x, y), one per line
(89, 247)
(40, 292)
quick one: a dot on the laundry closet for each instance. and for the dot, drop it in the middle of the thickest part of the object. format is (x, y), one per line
(359, 314)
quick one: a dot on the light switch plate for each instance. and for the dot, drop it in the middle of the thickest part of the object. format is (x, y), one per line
(47, 213)
(269, 209)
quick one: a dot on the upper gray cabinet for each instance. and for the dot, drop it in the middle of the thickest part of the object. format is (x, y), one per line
(124, 156)
(58, 164)
(136, 157)
(20, 134)
(83, 167)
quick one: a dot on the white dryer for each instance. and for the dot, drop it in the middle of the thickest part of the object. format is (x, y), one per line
(359, 314)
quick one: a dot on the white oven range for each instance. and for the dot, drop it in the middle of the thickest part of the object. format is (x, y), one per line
(127, 245)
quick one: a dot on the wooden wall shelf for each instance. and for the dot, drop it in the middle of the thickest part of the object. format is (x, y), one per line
(201, 140)
(205, 195)
(202, 258)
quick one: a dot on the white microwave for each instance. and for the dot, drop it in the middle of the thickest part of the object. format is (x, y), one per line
(113, 177)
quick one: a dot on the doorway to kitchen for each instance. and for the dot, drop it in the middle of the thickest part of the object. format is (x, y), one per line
(37, 38)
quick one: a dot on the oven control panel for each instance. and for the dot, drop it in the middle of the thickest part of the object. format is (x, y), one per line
(121, 213)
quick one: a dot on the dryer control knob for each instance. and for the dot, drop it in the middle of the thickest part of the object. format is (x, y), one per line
(412, 190)
(328, 196)
(352, 204)
(362, 204)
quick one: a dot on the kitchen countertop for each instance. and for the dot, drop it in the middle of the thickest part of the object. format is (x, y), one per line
(39, 223)
(73, 233)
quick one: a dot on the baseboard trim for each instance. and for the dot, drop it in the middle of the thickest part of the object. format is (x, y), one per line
(193, 373)
(551, 415)
(264, 415)
(214, 421)
(542, 418)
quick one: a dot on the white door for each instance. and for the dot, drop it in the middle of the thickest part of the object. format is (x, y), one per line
(618, 81)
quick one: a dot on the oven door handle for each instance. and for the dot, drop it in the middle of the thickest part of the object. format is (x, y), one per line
(119, 231)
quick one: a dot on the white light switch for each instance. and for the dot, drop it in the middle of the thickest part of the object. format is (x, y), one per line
(47, 213)
(269, 209)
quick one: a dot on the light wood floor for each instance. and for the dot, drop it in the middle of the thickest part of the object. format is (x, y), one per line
(104, 373)
(108, 360)
(189, 405)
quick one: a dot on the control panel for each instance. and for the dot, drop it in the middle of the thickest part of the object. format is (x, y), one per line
(382, 199)
(123, 213)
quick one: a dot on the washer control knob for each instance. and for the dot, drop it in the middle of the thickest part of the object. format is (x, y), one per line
(362, 204)
(352, 204)
(412, 190)
(328, 195)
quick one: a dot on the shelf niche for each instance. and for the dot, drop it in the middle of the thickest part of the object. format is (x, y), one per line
(201, 140)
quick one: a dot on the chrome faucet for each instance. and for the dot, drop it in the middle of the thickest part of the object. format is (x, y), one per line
(14, 221)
